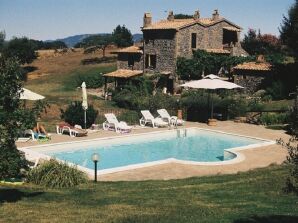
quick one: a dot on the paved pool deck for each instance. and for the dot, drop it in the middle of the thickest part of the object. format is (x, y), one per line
(254, 158)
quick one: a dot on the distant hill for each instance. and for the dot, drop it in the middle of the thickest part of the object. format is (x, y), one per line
(70, 41)
(137, 37)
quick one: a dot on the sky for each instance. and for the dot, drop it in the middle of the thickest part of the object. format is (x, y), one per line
(52, 19)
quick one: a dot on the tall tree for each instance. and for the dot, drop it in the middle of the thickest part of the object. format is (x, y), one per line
(122, 36)
(22, 48)
(289, 29)
(256, 43)
(183, 16)
(94, 42)
(11, 160)
(2, 39)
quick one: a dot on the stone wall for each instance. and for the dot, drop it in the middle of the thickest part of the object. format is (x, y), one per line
(250, 82)
(184, 40)
(122, 61)
(161, 43)
(207, 38)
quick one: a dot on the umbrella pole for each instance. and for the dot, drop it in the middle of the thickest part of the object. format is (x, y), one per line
(85, 117)
(211, 106)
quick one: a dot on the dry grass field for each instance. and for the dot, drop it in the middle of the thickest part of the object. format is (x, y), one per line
(51, 62)
(56, 76)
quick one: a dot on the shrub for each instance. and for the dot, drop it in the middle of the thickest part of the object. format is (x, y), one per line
(237, 107)
(161, 100)
(273, 118)
(292, 147)
(277, 90)
(74, 114)
(92, 80)
(55, 174)
(131, 117)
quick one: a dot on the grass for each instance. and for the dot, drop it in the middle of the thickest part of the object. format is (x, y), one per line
(254, 196)
(278, 105)
(58, 82)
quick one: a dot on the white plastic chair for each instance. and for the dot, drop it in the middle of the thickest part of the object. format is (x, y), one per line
(148, 118)
(171, 120)
(112, 123)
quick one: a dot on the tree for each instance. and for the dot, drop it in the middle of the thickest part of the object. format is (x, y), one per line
(2, 39)
(289, 29)
(54, 45)
(182, 16)
(122, 36)
(207, 63)
(94, 42)
(292, 147)
(11, 160)
(256, 43)
(22, 48)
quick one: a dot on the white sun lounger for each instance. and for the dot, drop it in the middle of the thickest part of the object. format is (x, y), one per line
(112, 123)
(171, 120)
(34, 136)
(71, 130)
(148, 118)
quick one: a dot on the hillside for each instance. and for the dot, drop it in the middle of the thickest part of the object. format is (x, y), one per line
(57, 76)
(70, 41)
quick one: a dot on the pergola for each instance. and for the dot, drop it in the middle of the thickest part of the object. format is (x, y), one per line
(121, 74)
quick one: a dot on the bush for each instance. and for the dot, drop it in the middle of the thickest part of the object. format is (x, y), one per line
(277, 90)
(292, 147)
(198, 105)
(237, 107)
(55, 174)
(92, 80)
(74, 114)
(273, 118)
(160, 100)
(131, 117)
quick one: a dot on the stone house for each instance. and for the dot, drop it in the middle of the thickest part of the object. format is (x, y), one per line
(166, 40)
(250, 75)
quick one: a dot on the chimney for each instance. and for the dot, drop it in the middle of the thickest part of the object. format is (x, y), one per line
(171, 16)
(196, 15)
(215, 15)
(147, 19)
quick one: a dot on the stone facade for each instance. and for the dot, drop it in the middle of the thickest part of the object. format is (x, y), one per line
(171, 38)
(166, 40)
(123, 61)
(251, 83)
(162, 44)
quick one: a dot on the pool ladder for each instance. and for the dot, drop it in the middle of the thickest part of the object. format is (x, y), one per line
(181, 133)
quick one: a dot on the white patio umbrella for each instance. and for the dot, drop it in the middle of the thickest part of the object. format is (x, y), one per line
(212, 82)
(30, 95)
(85, 101)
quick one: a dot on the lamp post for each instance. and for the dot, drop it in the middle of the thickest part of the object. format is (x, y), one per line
(95, 159)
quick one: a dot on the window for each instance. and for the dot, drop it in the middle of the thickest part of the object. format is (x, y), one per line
(229, 37)
(194, 40)
(131, 61)
(150, 61)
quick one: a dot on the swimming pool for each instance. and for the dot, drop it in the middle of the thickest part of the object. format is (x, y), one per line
(187, 146)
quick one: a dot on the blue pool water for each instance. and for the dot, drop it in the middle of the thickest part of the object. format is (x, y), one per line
(198, 145)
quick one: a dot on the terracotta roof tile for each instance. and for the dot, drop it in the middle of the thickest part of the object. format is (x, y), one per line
(253, 66)
(230, 28)
(122, 73)
(130, 49)
(180, 23)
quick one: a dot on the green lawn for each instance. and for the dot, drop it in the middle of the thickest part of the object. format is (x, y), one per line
(61, 88)
(254, 196)
(278, 105)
